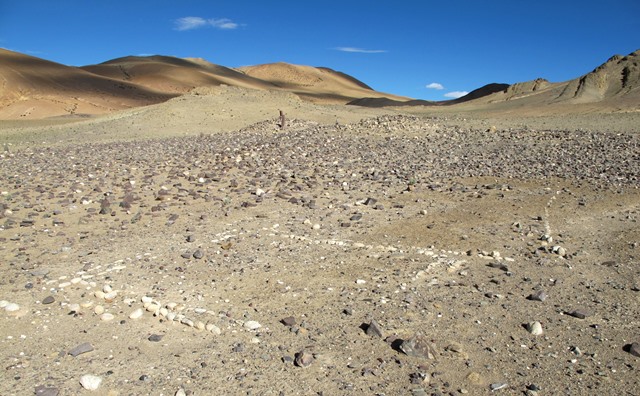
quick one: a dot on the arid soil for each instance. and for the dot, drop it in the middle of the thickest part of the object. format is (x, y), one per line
(354, 252)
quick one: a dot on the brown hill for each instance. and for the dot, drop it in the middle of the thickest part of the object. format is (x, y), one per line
(318, 84)
(36, 88)
(614, 85)
(174, 75)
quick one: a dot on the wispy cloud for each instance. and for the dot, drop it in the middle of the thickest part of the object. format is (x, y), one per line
(360, 50)
(456, 94)
(190, 23)
(435, 85)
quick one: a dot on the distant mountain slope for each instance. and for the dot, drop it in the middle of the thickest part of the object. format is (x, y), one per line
(174, 75)
(31, 87)
(615, 85)
(319, 84)
(618, 77)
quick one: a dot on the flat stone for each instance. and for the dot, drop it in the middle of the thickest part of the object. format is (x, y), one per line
(48, 300)
(418, 346)
(289, 321)
(80, 349)
(198, 254)
(42, 390)
(579, 313)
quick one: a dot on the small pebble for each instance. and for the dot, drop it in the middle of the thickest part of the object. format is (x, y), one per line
(105, 317)
(252, 325)
(99, 310)
(497, 386)
(155, 337)
(80, 349)
(535, 328)
(137, 314)
(634, 349)
(12, 308)
(42, 390)
(303, 359)
(579, 313)
(90, 382)
(538, 296)
(48, 300)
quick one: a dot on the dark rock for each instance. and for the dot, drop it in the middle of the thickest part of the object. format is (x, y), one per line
(418, 346)
(289, 321)
(633, 349)
(48, 300)
(186, 255)
(579, 313)
(374, 329)
(80, 349)
(191, 238)
(155, 337)
(198, 254)
(499, 266)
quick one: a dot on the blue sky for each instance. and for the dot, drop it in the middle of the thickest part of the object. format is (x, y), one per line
(421, 49)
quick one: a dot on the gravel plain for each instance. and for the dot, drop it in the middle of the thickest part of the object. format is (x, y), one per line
(398, 254)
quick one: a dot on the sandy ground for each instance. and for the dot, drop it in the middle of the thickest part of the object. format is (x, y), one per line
(357, 251)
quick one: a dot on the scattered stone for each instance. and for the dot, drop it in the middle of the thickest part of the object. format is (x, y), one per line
(80, 349)
(579, 313)
(90, 382)
(252, 325)
(105, 317)
(374, 330)
(634, 349)
(180, 392)
(137, 314)
(155, 337)
(303, 359)
(42, 390)
(12, 308)
(497, 386)
(537, 296)
(198, 254)
(418, 346)
(289, 321)
(499, 266)
(48, 300)
(535, 328)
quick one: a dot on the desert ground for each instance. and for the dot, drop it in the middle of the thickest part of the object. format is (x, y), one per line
(195, 247)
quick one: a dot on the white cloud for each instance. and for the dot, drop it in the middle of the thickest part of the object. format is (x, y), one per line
(223, 23)
(189, 23)
(359, 50)
(435, 85)
(456, 94)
